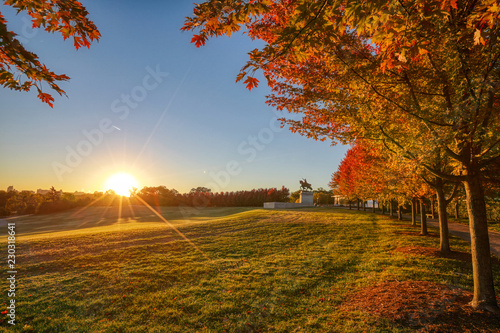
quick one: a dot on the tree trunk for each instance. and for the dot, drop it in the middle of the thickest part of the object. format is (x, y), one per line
(357, 202)
(349, 204)
(423, 218)
(432, 207)
(373, 206)
(457, 213)
(400, 213)
(364, 206)
(444, 241)
(413, 212)
(383, 209)
(484, 291)
(391, 208)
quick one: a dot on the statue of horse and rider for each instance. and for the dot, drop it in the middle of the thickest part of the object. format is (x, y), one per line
(304, 185)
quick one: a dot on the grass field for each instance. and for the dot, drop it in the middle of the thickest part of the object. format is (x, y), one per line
(248, 270)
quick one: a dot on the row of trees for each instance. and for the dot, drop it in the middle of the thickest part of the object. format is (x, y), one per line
(363, 176)
(366, 173)
(204, 197)
(27, 202)
(418, 77)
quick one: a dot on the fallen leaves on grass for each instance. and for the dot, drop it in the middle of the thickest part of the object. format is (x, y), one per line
(428, 306)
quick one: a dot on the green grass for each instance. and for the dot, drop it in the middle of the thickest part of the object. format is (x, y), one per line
(277, 271)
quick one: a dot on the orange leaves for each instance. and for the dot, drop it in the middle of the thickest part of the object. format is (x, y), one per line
(80, 41)
(68, 17)
(251, 83)
(448, 5)
(198, 40)
(422, 51)
(46, 98)
(240, 76)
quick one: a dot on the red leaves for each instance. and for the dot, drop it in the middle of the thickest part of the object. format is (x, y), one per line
(81, 41)
(77, 41)
(46, 98)
(251, 83)
(198, 40)
(69, 18)
(240, 76)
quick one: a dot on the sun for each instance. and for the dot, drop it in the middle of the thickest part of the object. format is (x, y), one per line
(121, 183)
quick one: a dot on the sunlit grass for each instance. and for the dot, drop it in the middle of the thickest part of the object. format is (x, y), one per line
(278, 271)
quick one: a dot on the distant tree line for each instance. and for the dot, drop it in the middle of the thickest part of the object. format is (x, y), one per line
(27, 202)
(204, 197)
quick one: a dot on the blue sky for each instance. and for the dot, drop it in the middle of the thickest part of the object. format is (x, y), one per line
(144, 100)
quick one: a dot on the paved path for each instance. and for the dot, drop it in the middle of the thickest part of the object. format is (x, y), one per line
(462, 231)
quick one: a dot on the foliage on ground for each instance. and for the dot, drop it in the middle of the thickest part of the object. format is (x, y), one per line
(274, 271)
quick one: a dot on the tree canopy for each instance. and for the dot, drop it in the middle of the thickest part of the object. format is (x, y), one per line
(417, 76)
(21, 69)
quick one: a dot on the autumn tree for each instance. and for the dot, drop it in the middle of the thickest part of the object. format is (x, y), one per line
(53, 194)
(345, 181)
(415, 74)
(358, 176)
(21, 69)
(200, 189)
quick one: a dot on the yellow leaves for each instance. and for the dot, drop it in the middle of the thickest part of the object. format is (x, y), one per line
(402, 57)
(495, 8)
(422, 51)
(478, 38)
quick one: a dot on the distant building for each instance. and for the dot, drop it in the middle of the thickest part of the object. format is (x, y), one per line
(42, 192)
(77, 193)
(11, 189)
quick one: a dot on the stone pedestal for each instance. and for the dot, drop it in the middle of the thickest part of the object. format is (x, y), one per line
(306, 198)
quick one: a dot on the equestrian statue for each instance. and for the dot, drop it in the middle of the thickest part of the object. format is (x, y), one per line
(304, 185)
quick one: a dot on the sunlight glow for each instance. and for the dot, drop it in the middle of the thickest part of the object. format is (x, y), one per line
(121, 183)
